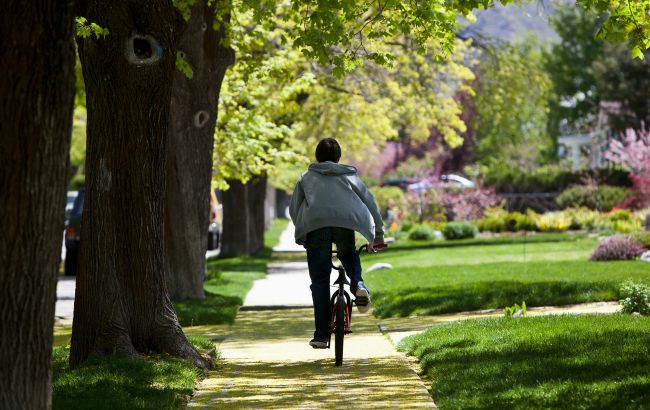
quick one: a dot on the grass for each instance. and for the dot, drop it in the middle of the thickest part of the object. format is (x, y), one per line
(569, 362)
(443, 278)
(229, 280)
(160, 381)
(110, 382)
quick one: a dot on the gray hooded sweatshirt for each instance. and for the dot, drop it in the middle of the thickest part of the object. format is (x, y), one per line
(331, 194)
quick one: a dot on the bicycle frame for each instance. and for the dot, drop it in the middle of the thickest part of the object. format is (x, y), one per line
(341, 281)
(341, 292)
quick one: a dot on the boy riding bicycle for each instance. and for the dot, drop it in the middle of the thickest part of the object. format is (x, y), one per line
(329, 203)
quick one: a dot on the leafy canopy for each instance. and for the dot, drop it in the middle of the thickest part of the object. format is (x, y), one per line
(277, 105)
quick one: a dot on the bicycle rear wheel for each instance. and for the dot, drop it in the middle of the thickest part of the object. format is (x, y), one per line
(340, 329)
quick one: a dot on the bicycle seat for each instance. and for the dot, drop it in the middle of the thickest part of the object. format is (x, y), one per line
(341, 279)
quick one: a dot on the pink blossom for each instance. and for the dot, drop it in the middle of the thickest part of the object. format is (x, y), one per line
(632, 151)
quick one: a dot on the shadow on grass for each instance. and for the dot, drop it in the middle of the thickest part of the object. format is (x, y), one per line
(240, 263)
(551, 362)
(228, 281)
(214, 309)
(157, 382)
(489, 295)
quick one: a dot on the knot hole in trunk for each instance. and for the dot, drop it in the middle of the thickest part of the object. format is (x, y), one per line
(143, 49)
(200, 118)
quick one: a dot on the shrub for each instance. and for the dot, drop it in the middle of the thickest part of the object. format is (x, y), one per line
(600, 197)
(551, 178)
(636, 298)
(459, 230)
(384, 194)
(583, 218)
(622, 221)
(516, 221)
(616, 248)
(640, 197)
(643, 238)
(516, 310)
(491, 224)
(620, 215)
(553, 222)
(422, 233)
(407, 225)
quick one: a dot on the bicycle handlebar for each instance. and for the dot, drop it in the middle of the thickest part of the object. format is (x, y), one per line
(376, 247)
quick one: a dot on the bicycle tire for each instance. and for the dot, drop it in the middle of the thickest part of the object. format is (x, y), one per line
(340, 330)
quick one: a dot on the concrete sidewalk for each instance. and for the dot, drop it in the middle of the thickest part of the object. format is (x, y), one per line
(268, 364)
(285, 285)
(287, 241)
(64, 307)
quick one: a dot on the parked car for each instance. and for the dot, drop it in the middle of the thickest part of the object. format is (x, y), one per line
(72, 231)
(457, 181)
(425, 184)
(72, 195)
(214, 229)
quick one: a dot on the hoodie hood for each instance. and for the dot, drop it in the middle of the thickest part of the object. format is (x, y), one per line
(332, 168)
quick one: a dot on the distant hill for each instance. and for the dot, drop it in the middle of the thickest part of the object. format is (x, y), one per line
(512, 22)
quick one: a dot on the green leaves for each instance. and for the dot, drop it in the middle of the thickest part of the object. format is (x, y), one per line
(185, 7)
(85, 29)
(515, 311)
(628, 20)
(511, 107)
(183, 66)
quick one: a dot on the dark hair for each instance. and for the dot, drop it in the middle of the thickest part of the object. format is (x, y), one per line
(328, 149)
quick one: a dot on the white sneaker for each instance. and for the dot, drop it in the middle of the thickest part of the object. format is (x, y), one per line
(318, 344)
(362, 298)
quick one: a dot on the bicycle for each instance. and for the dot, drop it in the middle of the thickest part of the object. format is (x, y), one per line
(341, 304)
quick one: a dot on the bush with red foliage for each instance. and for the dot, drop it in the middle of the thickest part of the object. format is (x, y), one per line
(640, 197)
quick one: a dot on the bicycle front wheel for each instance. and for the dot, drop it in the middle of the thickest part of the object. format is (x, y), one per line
(340, 329)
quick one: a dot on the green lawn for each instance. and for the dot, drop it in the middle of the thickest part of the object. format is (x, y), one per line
(229, 280)
(443, 277)
(568, 362)
(109, 382)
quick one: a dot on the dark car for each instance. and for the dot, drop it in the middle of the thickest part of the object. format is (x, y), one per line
(72, 232)
(72, 195)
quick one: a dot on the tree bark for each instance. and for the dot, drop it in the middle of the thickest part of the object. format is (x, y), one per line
(37, 93)
(243, 217)
(121, 304)
(191, 135)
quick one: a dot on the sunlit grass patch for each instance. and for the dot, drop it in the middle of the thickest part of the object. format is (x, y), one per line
(570, 362)
(434, 280)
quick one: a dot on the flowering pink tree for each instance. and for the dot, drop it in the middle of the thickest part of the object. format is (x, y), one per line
(468, 204)
(633, 152)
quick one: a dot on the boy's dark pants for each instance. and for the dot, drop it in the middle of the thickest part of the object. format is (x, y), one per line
(319, 259)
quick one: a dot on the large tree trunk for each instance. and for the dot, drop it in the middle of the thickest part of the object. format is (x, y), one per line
(121, 304)
(243, 217)
(37, 93)
(191, 135)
